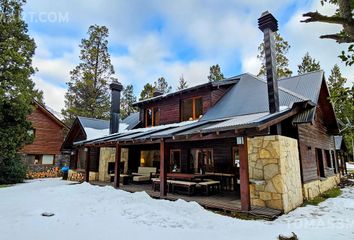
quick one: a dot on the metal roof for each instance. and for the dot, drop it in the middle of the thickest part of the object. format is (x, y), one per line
(93, 123)
(308, 84)
(248, 96)
(305, 117)
(227, 81)
(132, 120)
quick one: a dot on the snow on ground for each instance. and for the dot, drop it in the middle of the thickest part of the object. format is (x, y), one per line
(83, 211)
(350, 166)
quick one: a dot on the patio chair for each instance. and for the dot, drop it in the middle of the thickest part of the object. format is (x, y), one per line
(144, 174)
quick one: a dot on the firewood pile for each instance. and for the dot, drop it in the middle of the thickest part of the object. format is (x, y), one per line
(77, 176)
(49, 173)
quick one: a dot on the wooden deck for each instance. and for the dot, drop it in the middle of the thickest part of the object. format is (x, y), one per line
(227, 202)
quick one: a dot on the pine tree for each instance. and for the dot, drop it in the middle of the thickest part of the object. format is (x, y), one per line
(342, 98)
(282, 62)
(162, 86)
(147, 92)
(308, 64)
(128, 98)
(16, 90)
(215, 73)
(88, 93)
(182, 83)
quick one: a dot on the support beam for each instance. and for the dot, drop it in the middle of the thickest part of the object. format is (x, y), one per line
(163, 169)
(87, 167)
(244, 176)
(117, 166)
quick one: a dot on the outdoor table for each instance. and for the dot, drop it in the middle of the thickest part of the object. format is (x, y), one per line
(187, 176)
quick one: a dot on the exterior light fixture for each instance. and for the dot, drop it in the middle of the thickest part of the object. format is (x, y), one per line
(86, 149)
(239, 141)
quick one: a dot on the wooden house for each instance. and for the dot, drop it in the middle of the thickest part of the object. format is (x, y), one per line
(49, 133)
(270, 143)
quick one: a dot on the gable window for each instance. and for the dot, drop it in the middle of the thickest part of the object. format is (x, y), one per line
(152, 117)
(191, 108)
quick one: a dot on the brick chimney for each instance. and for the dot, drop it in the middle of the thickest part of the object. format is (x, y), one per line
(116, 88)
(268, 25)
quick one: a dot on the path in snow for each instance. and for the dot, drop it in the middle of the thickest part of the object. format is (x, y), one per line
(83, 211)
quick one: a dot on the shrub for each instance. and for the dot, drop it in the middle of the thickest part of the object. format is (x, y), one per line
(12, 170)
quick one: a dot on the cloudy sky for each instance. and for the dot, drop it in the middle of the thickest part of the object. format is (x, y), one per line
(154, 38)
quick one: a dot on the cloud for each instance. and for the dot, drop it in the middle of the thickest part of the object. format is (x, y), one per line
(171, 38)
(53, 95)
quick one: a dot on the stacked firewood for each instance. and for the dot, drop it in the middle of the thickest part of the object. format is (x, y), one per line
(49, 173)
(77, 176)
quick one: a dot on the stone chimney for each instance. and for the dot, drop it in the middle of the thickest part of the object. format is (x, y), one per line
(116, 88)
(268, 25)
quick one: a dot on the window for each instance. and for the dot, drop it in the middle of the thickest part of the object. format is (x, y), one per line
(48, 159)
(32, 132)
(150, 158)
(175, 161)
(202, 160)
(328, 159)
(191, 108)
(320, 166)
(152, 117)
(236, 157)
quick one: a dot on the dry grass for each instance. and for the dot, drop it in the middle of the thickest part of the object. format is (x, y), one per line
(332, 193)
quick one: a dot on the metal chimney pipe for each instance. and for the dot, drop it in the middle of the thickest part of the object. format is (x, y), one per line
(116, 88)
(268, 25)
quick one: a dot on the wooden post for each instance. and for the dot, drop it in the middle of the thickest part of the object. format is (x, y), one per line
(163, 173)
(244, 176)
(117, 166)
(87, 167)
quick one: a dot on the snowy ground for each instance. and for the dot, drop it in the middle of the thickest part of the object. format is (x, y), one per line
(83, 211)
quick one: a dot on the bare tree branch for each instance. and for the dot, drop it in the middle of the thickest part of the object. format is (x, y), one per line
(338, 37)
(317, 17)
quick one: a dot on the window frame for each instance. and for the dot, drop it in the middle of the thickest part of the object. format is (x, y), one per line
(180, 159)
(211, 150)
(194, 117)
(153, 116)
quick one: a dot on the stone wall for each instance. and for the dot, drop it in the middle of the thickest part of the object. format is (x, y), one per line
(314, 188)
(274, 172)
(107, 155)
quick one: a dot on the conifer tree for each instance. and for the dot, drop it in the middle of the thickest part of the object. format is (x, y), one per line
(147, 92)
(88, 92)
(308, 64)
(128, 98)
(16, 90)
(162, 86)
(182, 83)
(215, 73)
(282, 62)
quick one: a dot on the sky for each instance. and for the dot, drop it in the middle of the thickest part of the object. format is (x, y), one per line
(165, 38)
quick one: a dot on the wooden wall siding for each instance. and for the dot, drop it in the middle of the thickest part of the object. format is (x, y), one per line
(94, 159)
(312, 136)
(170, 107)
(49, 135)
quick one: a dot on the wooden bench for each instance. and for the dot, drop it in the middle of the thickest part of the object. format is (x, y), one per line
(210, 187)
(189, 187)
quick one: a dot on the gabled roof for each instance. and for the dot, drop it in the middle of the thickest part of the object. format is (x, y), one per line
(307, 84)
(226, 81)
(50, 114)
(249, 96)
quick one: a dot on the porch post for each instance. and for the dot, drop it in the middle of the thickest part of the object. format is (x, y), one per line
(244, 176)
(87, 167)
(163, 174)
(117, 166)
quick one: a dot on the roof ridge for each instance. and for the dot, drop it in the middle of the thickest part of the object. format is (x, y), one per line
(299, 75)
(283, 89)
(95, 119)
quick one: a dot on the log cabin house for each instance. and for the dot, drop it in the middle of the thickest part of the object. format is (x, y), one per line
(49, 133)
(270, 143)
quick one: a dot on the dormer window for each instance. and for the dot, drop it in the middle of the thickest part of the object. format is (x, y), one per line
(152, 117)
(191, 108)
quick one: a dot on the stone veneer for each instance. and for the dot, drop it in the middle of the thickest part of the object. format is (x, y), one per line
(314, 188)
(274, 172)
(107, 155)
